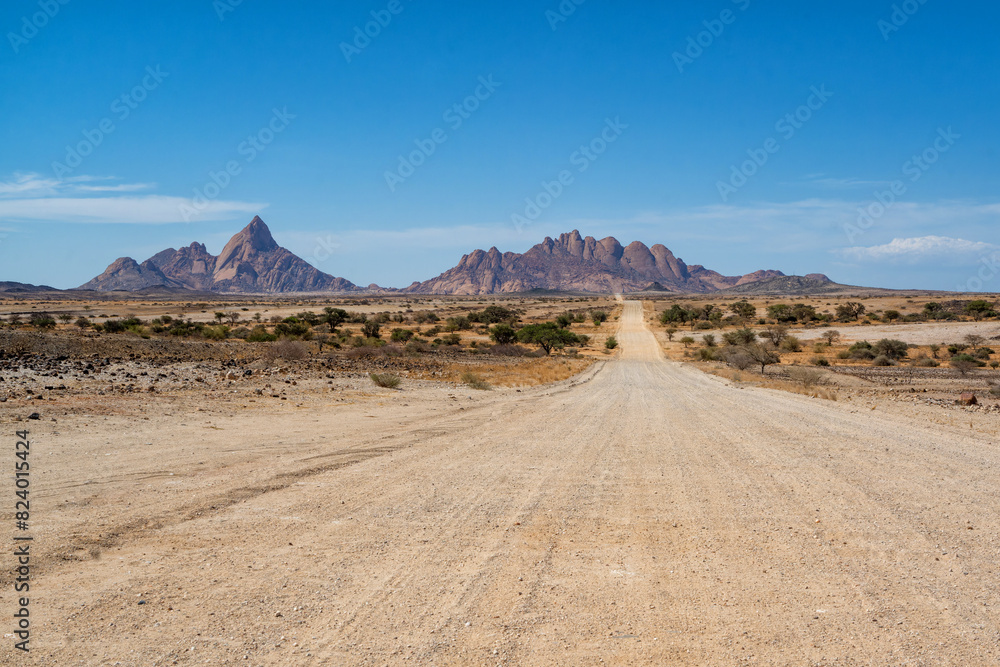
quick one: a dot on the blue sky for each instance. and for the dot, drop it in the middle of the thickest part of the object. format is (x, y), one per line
(740, 134)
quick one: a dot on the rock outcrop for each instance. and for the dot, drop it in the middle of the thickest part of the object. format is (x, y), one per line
(575, 263)
(251, 263)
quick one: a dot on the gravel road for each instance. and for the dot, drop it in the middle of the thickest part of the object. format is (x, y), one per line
(641, 514)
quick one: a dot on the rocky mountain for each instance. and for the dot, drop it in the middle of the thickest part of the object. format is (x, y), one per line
(814, 283)
(252, 263)
(574, 263)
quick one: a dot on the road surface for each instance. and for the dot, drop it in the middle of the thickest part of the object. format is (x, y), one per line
(642, 514)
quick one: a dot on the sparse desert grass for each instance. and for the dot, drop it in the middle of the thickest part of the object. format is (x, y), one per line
(475, 381)
(386, 380)
(769, 382)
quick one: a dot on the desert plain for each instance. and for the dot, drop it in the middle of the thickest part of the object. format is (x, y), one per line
(205, 501)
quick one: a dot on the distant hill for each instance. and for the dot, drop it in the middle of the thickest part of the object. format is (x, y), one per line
(814, 283)
(575, 264)
(24, 287)
(251, 263)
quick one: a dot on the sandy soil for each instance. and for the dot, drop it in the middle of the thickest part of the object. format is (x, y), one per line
(641, 513)
(924, 333)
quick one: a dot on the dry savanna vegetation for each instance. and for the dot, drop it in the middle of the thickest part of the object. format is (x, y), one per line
(917, 347)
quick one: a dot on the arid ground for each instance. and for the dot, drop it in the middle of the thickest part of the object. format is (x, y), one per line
(640, 512)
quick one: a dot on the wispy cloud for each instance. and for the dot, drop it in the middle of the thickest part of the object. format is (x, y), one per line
(838, 183)
(922, 249)
(149, 209)
(31, 197)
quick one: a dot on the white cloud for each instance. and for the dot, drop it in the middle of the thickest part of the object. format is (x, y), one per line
(31, 197)
(148, 209)
(922, 249)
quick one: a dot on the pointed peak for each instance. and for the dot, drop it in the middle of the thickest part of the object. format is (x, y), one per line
(257, 235)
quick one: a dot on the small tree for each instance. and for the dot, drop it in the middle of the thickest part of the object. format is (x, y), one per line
(975, 340)
(894, 349)
(371, 329)
(761, 355)
(599, 317)
(687, 341)
(708, 340)
(935, 348)
(219, 316)
(65, 317)
(670, 331)
(850, 311)
(831, 336)
(83, 322)
(547, 336)
(775, 334)
(503, 334)
(891, 315)
(979, 309)
(743, 310)
(740, 337)
(233, 317)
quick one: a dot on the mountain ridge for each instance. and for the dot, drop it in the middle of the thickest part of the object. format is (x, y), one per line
(572, 262)
(251, 262)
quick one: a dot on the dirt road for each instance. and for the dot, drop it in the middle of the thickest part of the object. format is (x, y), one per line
(644, 513)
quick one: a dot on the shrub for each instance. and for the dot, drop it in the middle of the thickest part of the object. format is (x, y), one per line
(740, 337)
(807, 377)
(220, 332)
(883, 360)
(791, 344)
(451, 339)
(708, 354)
(259, 334)
(371, 329)
(831, 336)
(386, 380)
(925, 362)
(611, 343)
(739, 360)
(687, 341)
(820, 361)
(474, 381)
(401, 335)
(503, 334)
(894, 349)
(83, 323)
(708, 340)
(964, 363)
(289, 350)
(493, 315)
(599, 317)
(704, 325)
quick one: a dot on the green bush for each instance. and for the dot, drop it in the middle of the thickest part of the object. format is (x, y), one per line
(820, 361)
(259, 334)
(611, 343)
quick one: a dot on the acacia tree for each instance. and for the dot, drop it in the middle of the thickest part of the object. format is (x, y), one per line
(547, 336)
(761, 354)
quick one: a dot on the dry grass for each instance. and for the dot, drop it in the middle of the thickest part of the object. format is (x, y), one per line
(529, 373)
(756, 380)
